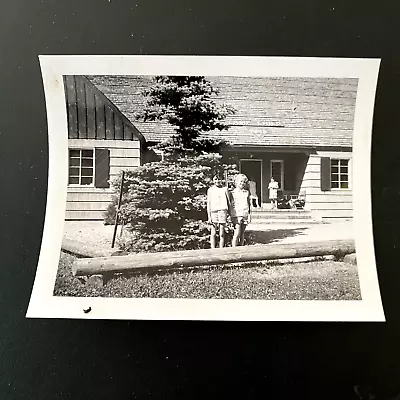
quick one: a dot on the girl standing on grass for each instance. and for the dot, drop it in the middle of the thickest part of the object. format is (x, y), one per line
(240, 209)
(217, 209)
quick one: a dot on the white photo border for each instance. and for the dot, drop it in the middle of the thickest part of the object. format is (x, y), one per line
(43, 304)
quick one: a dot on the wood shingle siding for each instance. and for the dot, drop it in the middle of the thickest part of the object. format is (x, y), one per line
(84, 215)
(91, 202)
(87, 203)
(91, 115)
(95, 123)
(93, 195)
(288, 137)
(83, 111)
(119, 129)
(72, 109)
(317, 197)
(100, 118)
(88, 206)
(269, 111)
(302, 122)
(326, 203)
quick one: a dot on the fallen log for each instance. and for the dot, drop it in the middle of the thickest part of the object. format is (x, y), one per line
(80, 249)
(150, 262)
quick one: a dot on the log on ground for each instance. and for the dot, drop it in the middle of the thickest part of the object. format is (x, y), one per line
(80, 249)
(150, 262)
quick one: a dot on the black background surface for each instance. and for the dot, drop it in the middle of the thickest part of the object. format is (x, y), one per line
(58, 359)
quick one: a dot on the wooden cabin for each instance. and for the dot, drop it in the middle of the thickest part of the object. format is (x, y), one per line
(298, 130)
(101, 142)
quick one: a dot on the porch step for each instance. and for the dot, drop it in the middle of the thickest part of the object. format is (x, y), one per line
(279, 210)
(263, 218)
(281, 214)
(255, 224)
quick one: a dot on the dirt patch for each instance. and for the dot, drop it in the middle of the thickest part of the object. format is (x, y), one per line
(93, 234)
(98, 235)
(281, 233)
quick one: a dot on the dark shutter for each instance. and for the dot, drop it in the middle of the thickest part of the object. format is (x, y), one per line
(102, 168)
(325, 173)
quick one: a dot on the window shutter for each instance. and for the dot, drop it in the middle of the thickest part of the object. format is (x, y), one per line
(102, 168)
(325, 173)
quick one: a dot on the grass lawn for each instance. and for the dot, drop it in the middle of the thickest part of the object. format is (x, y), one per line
(313, 280)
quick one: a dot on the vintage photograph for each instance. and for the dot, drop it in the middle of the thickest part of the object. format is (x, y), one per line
(209, 187)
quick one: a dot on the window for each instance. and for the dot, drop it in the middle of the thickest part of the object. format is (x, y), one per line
(81, 167)
(335, 173)
(339, 174)
(89, 167)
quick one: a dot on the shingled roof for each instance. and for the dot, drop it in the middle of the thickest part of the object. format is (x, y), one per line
(300, 112)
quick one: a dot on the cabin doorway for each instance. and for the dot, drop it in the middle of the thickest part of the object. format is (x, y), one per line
(277, 172)
(252, 168)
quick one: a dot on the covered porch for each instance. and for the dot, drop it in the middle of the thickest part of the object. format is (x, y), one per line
(286, 166)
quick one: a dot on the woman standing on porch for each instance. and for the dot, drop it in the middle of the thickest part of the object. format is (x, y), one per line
(273, 192)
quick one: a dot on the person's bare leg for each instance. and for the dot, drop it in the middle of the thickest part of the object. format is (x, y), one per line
(221, 235)
(236, 234)
(213, 236)
(242, 229)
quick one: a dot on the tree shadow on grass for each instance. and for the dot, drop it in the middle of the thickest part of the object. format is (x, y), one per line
(274, 235)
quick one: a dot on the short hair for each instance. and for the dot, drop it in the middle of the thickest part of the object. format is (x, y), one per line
(240, 176)
(218, 175)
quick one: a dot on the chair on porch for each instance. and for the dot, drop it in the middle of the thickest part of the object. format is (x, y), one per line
(253, 193)
(298, 200)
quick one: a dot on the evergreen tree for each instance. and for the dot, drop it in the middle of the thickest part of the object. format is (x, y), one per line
(187, 103)
(164, 203)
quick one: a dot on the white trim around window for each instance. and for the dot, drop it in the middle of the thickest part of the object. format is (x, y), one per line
(81, 163)
(341, 174)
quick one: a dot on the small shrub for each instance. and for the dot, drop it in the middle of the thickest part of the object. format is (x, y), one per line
(339, 255)
(111, 212)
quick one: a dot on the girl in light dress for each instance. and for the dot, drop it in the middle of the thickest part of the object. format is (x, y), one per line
(240, 209)
(218, 203)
